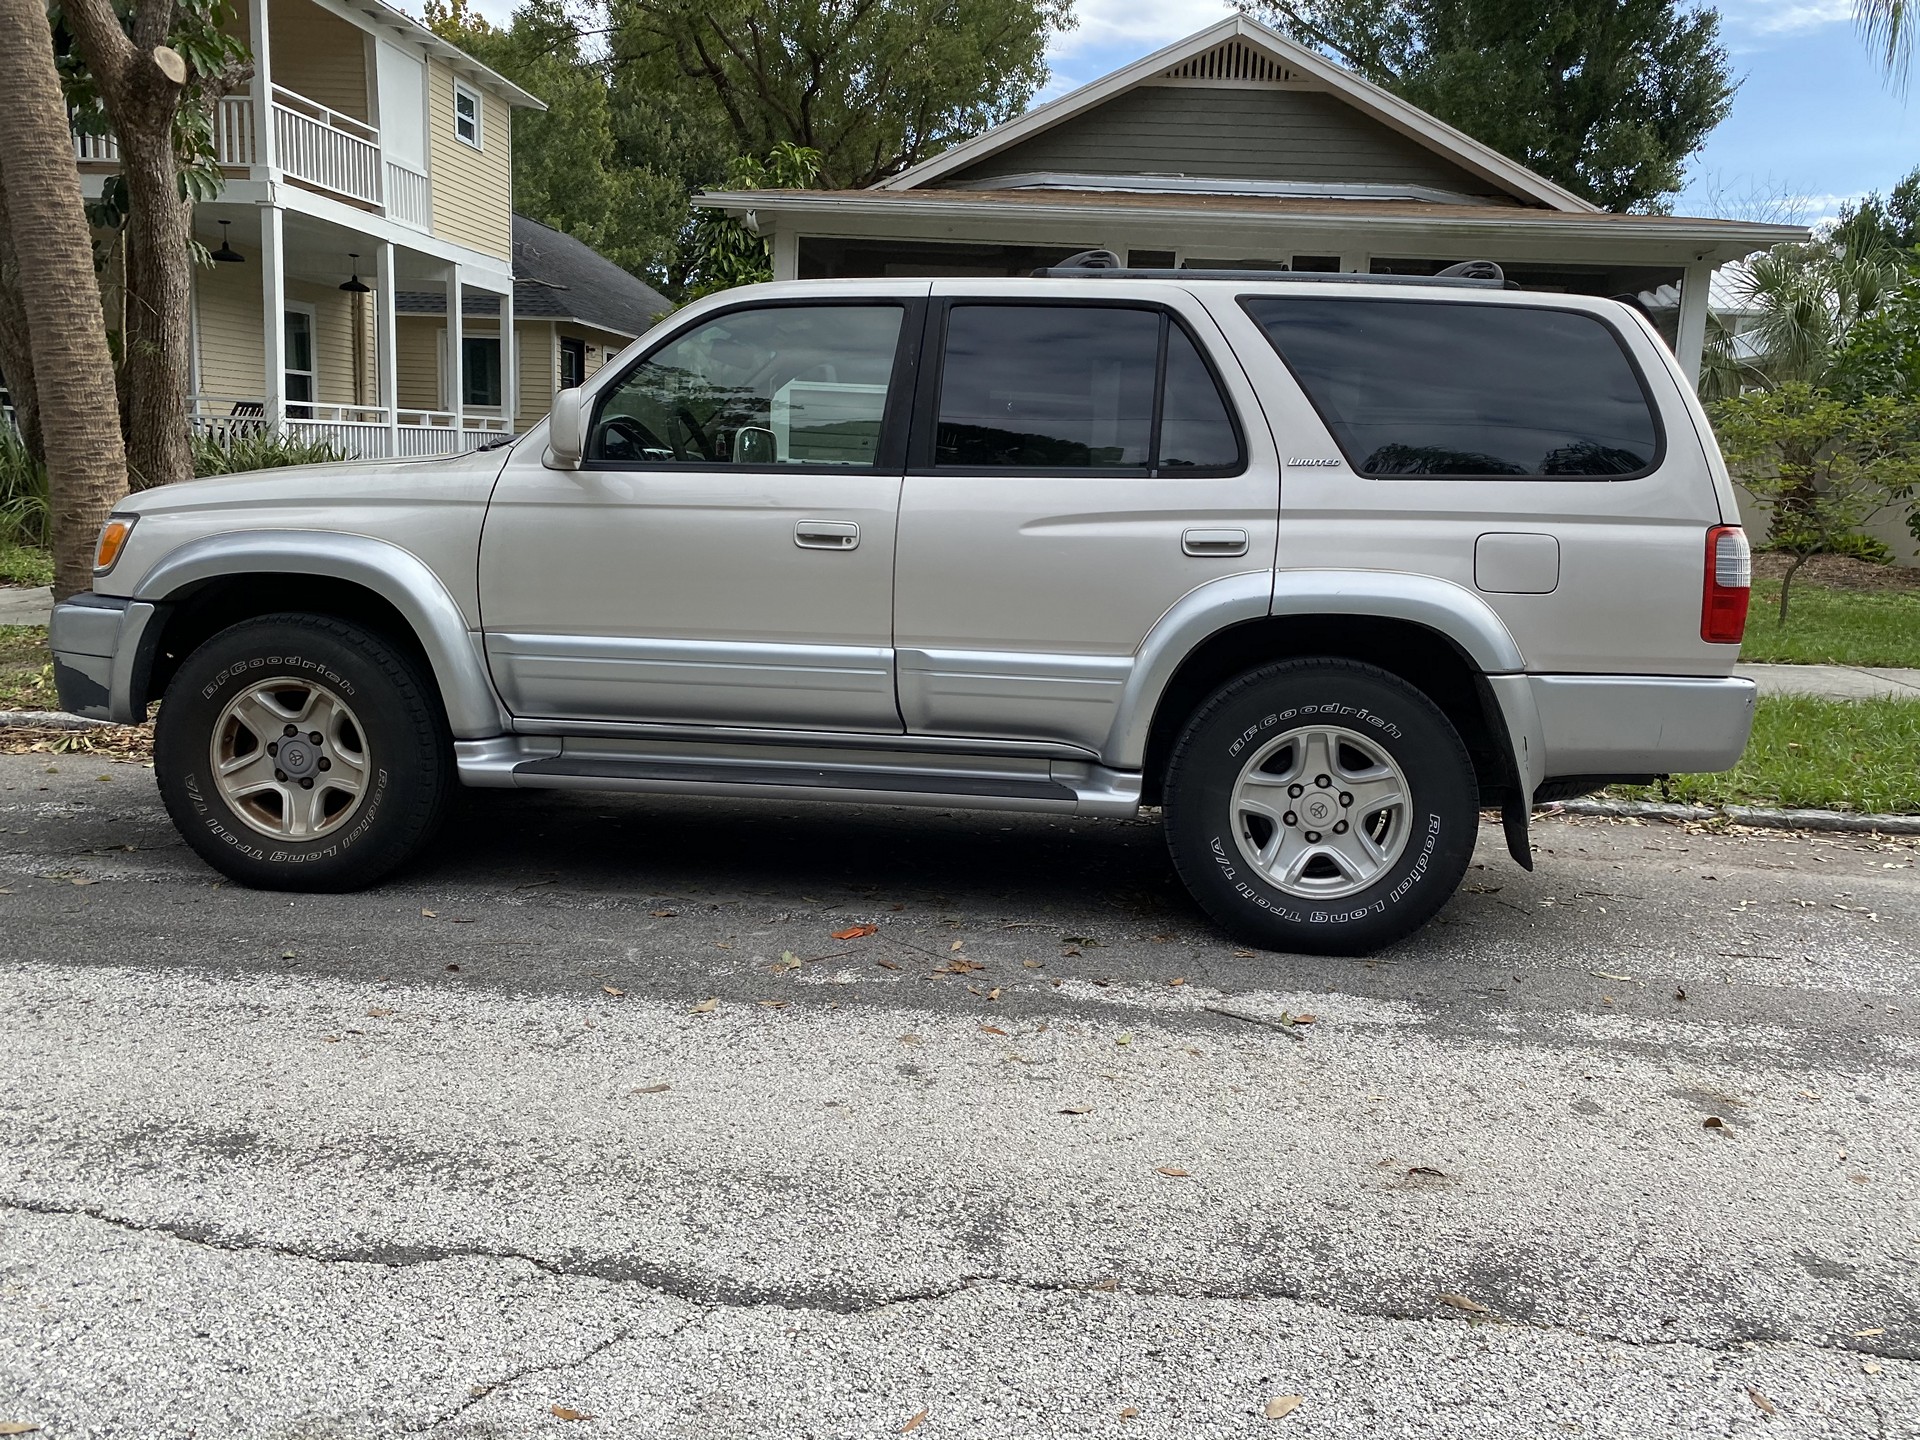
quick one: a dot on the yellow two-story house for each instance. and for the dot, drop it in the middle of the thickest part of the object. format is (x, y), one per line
(369, 181)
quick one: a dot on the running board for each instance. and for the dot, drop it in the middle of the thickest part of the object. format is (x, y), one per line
(869, 777)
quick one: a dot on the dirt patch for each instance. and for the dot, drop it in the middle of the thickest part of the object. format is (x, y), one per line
(1838, 572)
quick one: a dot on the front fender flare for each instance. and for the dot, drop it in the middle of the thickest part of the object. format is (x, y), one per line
(398, 576)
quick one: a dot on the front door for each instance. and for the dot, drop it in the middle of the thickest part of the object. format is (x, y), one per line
(1079, 465)
(724, 556)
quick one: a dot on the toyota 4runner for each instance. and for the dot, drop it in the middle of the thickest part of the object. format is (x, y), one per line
(1322, 565)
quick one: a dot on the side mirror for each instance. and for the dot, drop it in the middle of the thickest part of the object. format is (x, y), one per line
(566, 429)
(755, 445)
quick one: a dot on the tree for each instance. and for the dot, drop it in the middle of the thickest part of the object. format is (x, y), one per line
(86, 464)
(154, 70)
(1888, 26)
(1607, 98)
(1891, 225)
(1821, 467)
(720, 251)
(872, 86)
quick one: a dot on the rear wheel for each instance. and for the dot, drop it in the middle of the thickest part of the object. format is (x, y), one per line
(297, 752)
(1322, 806)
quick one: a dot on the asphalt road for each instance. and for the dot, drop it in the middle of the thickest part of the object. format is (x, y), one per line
(551, 1127)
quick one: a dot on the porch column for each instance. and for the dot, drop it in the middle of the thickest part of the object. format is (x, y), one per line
(455, 368)
(387, 345)
(273, 314)
(1690, 339)
(260, 88)
(786, 254)
(509, 361)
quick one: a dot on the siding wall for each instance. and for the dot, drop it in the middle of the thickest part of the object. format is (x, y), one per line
(227, 323)
(1231, 133)
(539, 370)
(320, 55)
(472, 189)
(419, 361)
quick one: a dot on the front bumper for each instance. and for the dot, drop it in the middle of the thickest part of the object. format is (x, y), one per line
(96, 647)
(1641, 724)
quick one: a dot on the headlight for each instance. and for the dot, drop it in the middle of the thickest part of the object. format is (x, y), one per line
(113, 539)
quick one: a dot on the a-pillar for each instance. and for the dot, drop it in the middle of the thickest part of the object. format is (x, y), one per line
(273, 313)
(1690, 339)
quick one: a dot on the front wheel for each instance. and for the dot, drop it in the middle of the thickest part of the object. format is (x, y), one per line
(1322, 806)
(297, 752)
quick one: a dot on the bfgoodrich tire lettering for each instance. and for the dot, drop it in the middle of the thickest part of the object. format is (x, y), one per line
(297, 752)
(1274, 761)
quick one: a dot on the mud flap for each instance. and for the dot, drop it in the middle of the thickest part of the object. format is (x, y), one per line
(1513, 819)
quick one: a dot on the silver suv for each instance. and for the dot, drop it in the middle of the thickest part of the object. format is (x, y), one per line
(1322, 565)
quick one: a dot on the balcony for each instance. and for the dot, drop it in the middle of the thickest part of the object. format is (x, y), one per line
(319, 147)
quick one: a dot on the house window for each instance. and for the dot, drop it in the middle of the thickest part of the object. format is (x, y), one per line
(297, 372)
(479, 371)
(573, 363)
(466, 115)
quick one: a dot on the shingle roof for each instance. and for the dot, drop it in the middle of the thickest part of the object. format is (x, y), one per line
(556, 277)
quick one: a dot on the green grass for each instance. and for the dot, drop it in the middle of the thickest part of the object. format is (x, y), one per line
(1833, 627)
(26, 669)
(1861, 755)
(25, 565)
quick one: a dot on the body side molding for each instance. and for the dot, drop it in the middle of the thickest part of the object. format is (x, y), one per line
(396, 575)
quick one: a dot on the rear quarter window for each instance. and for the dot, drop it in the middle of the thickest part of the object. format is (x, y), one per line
(1462, 391)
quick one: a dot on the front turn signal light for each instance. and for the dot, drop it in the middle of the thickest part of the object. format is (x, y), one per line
(113, 539)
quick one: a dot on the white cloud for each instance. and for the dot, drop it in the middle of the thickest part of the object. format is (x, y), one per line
(1785, 17)
(1145, 25)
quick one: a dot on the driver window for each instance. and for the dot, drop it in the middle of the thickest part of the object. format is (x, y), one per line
(787, 385)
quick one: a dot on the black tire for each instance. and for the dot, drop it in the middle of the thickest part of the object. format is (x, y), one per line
(1213, 840)
(392, 723)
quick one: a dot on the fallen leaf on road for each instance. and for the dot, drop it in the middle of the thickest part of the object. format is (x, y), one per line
(1174, 1171)
(378, 1012)
(1466, 1303)
(1714, 1122)
(1076, 1110)
(1426, 1170)
(1869, 1334)
(1027, 964)
(959, 965)
(1869, 1369)
(787, 961)
(706, 1006)
(650, 1090)
(1129, 1412)
(886, 965)
(1604, 975)
(17, 1427)
(664, 914)
(1281, 1406)
(1306, 1019)
(958, 945)
(994, 994)
(914, 1423)
(1767, 1407)
(561, 1412)
(771, 1004)
(431, 914)
(477, 1391)
(992, 1030)
(1244, 954)
(612, 991)
(453, 968)
(854, 932)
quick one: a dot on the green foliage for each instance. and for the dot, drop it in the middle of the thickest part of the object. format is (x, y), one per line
(1820, 466)
(255, 448)
(24, 517)
(1880, 354)
(1891, 225)
(873, 86)
(1607, 98)
(721, 252)
(1860, 755)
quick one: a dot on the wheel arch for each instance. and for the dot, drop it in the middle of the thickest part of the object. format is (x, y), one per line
(209, 584)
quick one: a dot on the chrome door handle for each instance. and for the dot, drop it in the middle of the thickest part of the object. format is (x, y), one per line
(826, 534)
(1214, 542)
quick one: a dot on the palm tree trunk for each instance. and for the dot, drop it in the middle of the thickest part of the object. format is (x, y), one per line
(86, 463)
(16, 345)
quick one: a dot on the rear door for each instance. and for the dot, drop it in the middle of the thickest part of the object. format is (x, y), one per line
(1080, 461)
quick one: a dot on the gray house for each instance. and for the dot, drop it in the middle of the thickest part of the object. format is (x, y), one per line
(1237, 147)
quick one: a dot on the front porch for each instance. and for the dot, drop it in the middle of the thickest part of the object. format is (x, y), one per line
(354, 368)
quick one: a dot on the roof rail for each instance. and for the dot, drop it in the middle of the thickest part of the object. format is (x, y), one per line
(1105, 265)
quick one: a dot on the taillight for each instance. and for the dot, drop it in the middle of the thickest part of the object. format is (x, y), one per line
(1728, 587)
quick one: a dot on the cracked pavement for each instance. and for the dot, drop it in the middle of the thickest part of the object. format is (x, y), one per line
(471, 1150)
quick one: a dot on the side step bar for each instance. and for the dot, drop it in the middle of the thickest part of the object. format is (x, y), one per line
(947, 780)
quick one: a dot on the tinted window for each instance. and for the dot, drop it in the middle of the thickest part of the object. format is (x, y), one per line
(1412, 387)
(1072, 387)
(789, 385)
(1195, 429)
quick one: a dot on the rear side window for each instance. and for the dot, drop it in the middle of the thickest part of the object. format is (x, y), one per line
(1412, 387)
(1078, 387)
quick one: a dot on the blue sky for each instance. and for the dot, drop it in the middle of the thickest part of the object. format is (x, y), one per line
(1814, 120)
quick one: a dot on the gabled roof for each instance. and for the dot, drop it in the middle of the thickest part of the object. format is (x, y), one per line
(556, 277)
(384, 13)
(1241, 50)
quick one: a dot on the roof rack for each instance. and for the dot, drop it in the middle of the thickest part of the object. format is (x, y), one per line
(1105, 265)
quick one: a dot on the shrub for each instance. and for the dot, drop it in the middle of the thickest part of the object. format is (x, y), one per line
(24, 518)
(257, 448)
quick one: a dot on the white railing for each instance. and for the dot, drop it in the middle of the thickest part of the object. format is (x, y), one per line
(325, 148)
(409, 200)
(360, 432)
(96, 149)
(234, 141)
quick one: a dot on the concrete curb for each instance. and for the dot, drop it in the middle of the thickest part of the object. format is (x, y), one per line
(1833, 820)
(46, 720)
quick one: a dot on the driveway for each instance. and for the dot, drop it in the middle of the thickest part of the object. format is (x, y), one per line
(1625, 1147)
